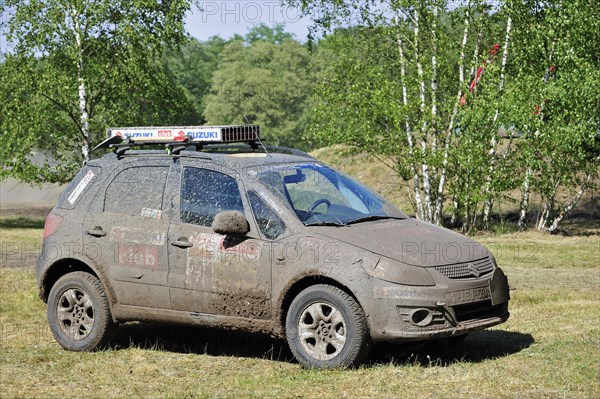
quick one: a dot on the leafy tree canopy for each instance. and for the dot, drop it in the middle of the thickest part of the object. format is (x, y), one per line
(264, 77)
(77, 67)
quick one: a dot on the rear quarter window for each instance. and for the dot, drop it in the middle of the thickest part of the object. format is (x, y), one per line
(80, 187)
(137, 190)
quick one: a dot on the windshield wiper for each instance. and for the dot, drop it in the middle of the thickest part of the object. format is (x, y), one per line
(373, 217)
(321, 223)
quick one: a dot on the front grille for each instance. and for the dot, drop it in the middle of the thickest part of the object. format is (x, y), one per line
(474, 269)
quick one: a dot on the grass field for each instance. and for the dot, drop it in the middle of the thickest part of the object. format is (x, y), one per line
(550, 348)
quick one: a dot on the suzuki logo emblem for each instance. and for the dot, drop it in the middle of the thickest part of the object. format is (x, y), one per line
(473, 270)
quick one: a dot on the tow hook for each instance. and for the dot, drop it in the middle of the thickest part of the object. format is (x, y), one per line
(448, 312)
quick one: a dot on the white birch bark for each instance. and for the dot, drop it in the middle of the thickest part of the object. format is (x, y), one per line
(566, 209)
(434, 81)
(461, 80)
(409, 135)
(487, 207)
(528, 174)
(84, 118)
(475, 59)
(524, 205)
(424, 164)
(543, 219)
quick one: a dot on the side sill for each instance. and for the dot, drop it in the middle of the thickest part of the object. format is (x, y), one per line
(125, 313)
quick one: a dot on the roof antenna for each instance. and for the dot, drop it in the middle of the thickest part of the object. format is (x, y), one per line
(257, 136)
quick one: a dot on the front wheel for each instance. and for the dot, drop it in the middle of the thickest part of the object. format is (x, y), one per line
(327, 328)
(79, 314)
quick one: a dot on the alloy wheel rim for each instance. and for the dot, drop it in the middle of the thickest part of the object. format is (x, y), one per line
(322, 331)
(75, 314)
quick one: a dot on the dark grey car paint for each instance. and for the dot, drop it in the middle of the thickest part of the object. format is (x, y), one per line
(388, 266)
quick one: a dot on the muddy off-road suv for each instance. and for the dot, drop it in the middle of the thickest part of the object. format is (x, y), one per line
(243, 236)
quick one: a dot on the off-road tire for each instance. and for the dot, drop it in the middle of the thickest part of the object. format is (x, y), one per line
(78, 313)
(327, 328)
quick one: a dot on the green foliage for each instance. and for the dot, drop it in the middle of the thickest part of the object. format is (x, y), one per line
(357, 98)
(192, 66)
(264, 33)
(558, 71)
(266, 82)
(547, 92)
(78, 67)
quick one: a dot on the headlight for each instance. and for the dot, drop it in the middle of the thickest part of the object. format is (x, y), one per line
(398, 273)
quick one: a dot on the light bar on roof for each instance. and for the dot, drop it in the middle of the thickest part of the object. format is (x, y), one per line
(200, 134)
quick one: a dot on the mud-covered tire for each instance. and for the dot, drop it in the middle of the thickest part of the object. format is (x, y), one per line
(78, 313)
(327, 328)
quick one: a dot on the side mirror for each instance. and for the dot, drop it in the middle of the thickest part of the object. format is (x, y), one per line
(230, 222)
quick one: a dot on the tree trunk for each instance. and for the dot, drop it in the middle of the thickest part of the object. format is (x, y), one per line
(488, 194)
(424, 164)
(566, 209)
(525, 200)
(434, 84)
(543, 219)
(439, 201)
(409, 136)
(529, 172)
(84, 119)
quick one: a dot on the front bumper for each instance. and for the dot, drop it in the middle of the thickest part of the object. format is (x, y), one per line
(407, 313)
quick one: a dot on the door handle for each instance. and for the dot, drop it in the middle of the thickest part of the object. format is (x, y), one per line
(96, 232)
(182, 242)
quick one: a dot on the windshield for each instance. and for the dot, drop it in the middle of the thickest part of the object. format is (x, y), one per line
(320, 195)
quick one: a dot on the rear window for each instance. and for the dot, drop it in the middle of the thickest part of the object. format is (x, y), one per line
(80, 187)
(137, 191)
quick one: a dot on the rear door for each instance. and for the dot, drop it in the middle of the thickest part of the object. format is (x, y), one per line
(128, 225)
(209, 272)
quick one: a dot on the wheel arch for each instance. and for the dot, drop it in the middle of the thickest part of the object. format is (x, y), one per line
(302, 283)
(64, 266)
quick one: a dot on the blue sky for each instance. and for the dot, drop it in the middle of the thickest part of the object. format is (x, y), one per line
(227, 17)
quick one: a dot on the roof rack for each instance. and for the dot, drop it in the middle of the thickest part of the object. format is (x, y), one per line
(178, 138)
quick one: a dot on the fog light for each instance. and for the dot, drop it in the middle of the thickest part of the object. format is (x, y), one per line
(421, 317)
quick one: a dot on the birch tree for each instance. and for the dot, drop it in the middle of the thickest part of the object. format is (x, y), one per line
(84, 61)
(556, 46)
(397, 89)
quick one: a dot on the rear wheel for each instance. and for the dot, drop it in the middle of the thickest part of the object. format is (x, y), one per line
(79, 314)
(327, 328)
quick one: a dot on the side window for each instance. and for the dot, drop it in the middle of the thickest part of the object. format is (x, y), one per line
(268, 222)
(204, 193)
(137, 191)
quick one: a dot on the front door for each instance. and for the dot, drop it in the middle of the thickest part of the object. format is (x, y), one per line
(209, 272)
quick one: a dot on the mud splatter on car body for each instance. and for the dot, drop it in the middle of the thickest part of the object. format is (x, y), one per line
(277, 242)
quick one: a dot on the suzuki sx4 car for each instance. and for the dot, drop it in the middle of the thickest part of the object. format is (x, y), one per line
(241, 236)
